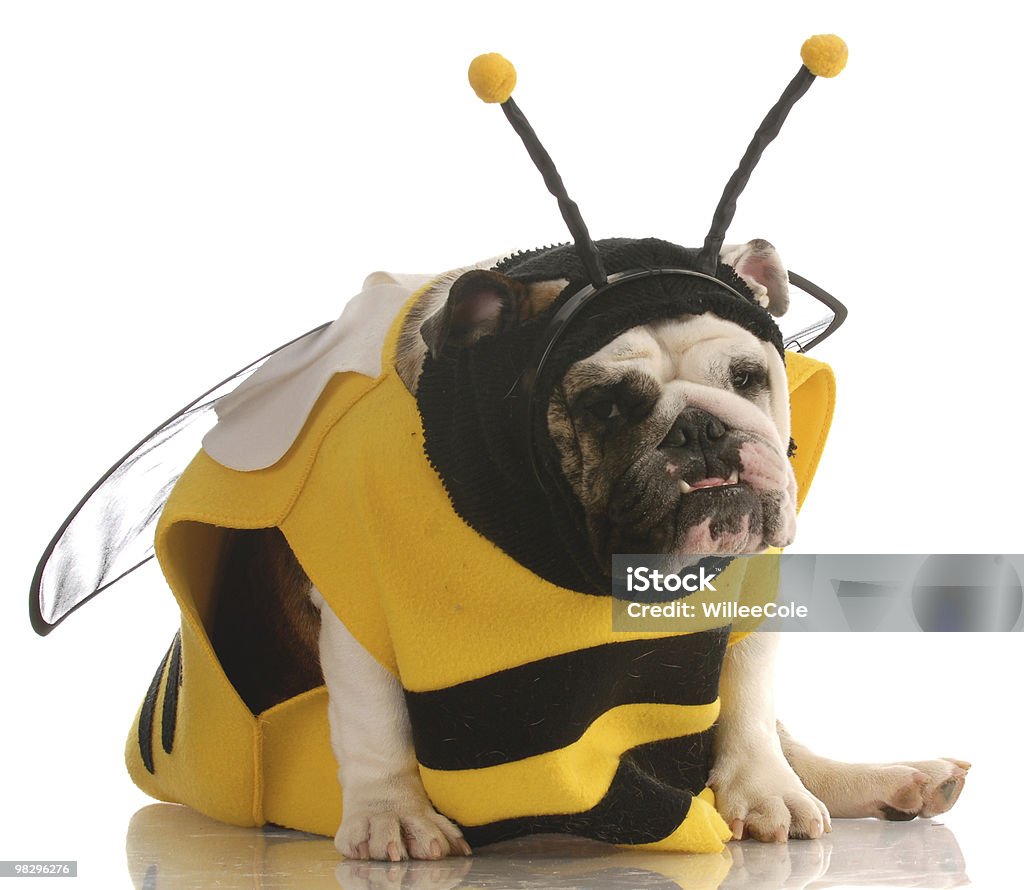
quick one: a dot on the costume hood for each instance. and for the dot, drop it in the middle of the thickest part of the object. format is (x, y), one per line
(467, 396)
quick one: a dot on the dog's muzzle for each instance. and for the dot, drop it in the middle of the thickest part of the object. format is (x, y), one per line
(693, 492)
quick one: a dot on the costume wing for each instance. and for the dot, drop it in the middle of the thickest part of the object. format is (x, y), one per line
(110, 533)
(806, 323)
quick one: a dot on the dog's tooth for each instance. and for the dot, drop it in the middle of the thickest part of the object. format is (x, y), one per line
(684, 486)
(735, 477)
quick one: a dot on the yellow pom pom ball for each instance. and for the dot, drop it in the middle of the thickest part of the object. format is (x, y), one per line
(493, 77)
(824, 54)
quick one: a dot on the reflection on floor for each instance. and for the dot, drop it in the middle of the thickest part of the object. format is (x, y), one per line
(171, 847)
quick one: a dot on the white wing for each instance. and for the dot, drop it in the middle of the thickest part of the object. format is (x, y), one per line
(110, 533)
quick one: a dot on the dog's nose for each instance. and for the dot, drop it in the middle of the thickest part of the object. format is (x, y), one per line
(694, 428)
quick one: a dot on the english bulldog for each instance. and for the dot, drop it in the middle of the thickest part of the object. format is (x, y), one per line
(672, 437)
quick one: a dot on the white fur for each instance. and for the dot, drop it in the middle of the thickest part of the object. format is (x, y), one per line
(756, 790)
(385, 812)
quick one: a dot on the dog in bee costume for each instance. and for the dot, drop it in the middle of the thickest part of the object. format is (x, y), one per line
(447, 470)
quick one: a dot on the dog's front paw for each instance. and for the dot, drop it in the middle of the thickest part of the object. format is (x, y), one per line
(392, 832)
(767, 801)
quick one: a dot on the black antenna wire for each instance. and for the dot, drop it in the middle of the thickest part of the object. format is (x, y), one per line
(493, 77)
(585, 246)
(823, 55)
(707, 261)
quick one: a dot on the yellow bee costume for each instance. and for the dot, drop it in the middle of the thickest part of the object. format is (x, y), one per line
(528, 713)
(484, 648)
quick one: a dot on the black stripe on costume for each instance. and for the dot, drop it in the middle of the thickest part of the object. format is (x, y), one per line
(548, 704)
(148, 712)
(170, 716)
(639, 807)
(680, 763)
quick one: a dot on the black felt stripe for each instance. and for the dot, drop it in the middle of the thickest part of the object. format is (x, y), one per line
(548, 704)
(679, 763)
(638, 808)
(148, 712)
(170, 717)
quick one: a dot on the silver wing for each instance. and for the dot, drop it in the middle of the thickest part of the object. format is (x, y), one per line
(110, 533)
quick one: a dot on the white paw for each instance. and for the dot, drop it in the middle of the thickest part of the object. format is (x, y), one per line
(386, 833)
(761, 797)
(922, 788)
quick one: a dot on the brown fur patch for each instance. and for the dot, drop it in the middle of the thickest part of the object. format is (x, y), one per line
(538, 297)
(266, 631)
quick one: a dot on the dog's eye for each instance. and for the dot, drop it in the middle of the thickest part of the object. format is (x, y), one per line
(605, 409)
(746, 378)
(626, 401)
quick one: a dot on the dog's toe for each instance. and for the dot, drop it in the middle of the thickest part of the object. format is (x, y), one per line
(351, 839)
(768, 821)
(808, 816)
(898, 791)
(425, 839)
(386, 837)
(946, 778)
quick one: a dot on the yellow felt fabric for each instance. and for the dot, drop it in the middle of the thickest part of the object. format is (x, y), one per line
(213, 764)
(371, 524)
(401, 547)
(703, 831)
(242, 769)
(812, 401)
(296, 758)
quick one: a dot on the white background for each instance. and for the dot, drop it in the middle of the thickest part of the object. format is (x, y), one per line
(184, 186)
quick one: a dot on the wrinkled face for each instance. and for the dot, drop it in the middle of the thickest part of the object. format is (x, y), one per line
(674, 439)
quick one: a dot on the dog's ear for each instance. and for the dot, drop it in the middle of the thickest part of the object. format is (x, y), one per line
(483, 302)
(758, 263)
